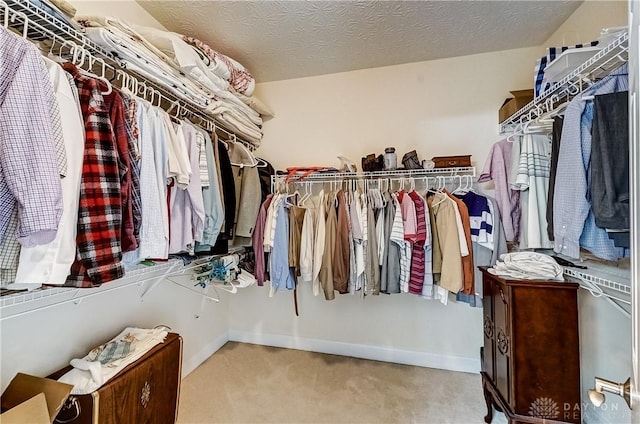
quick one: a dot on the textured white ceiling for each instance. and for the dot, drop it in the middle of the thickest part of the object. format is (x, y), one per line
(279, 40)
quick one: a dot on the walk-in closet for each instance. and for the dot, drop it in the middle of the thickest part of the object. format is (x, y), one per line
(319, 211)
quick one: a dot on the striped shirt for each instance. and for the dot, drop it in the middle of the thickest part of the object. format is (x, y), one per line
(416, 279)
(480, 219)
(397, 236)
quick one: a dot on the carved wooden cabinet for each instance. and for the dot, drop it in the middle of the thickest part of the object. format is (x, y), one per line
(531, 353)
(145, 392)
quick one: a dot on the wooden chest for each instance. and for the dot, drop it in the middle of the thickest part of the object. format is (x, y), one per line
(531, 353)
(451, 161)
(145, 392)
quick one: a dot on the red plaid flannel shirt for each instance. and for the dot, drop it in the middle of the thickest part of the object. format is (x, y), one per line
(99, 255)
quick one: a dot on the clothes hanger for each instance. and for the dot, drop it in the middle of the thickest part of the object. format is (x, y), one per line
(261, 163)
(79, 55)
(253, 162)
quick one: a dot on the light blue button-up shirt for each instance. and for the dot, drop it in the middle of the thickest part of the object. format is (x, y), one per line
(280, 273)
(573, 219)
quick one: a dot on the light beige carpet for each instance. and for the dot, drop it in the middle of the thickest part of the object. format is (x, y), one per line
(243, 383)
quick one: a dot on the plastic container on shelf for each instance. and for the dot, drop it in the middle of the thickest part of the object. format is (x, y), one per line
(567, 62)
(390, 159)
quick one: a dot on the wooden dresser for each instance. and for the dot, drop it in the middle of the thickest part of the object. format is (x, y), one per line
(145, 392)
(531, 353)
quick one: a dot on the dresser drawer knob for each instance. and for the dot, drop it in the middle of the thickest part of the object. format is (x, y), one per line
(146, 394)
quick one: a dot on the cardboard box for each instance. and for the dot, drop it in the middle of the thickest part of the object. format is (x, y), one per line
(32, 400)
(511, 106)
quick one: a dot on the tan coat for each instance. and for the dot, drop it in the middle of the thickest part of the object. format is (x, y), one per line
(446, 244)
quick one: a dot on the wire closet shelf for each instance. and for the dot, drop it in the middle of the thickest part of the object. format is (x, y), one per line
(598, 66)
(399, 173)
(36, 24)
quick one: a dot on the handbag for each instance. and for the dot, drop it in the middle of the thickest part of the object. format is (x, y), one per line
(410, 160)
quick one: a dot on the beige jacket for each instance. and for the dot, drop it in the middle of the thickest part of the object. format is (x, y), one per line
(446, 243)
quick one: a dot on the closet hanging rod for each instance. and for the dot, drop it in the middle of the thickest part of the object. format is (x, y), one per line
(39, 25)
(605, 60)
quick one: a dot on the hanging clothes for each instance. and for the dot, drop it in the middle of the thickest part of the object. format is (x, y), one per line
(556, 137)
(247, 190)
(187, 204)
(50, 263)
(229, 201)
(319, 242)
(359, 234)
(532, 180)
(409, 224)
(416, 279)
(179, 164)
(115, 107)
(154, 157)
(447, 264)
(573, 220)
(467, 260)
(427, 284)
(296, 221)
(281, 274)
(390, 273)
(307, 241)
(326, 270)
(341, 258)
(131, 124)
(372, 264)
(609, 176)
(497, 169)
(30, 177)
(211, 196)
(258, 242)
(99, 256)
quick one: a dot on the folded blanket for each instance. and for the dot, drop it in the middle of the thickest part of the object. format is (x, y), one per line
(65, 7)
(239, 78)
(105, 361)
(527, 266)
(166, 59)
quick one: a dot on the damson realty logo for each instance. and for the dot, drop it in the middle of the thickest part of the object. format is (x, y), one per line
(544, 408)
(547, 408)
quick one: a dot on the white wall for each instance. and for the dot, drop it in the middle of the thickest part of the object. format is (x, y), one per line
(587, 21)
(127, 10)
(44, 340)
(443, 107)
(605, 352)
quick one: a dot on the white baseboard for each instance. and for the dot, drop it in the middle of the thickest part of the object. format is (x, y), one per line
(190, 364)
(376, 353)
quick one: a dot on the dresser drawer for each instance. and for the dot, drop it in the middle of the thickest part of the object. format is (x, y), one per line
(145, 392)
